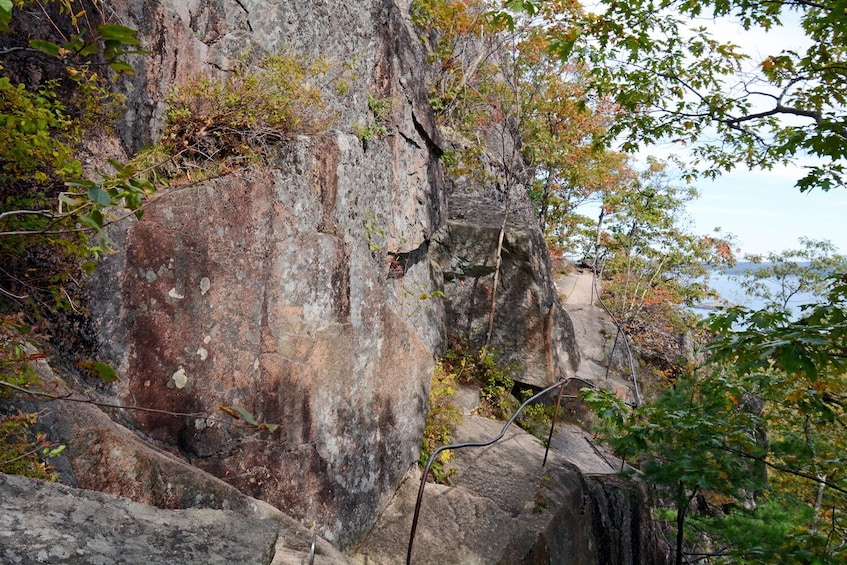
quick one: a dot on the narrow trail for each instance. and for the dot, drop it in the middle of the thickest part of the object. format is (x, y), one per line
(594, 333)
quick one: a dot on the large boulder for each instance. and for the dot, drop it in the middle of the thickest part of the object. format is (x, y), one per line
(44, 522)
(102, 455)
(503, 506)
(530, 328)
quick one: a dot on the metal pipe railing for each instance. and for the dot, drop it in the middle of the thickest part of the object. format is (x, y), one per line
(559, 384)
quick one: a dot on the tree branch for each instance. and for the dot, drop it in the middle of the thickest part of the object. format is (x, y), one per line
(796, 473)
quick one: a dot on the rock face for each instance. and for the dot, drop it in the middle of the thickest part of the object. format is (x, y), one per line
(52, 523)
(247, 310)
(531, 330)
(291, 290)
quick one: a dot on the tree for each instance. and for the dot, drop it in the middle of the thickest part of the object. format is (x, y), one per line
(679, 442)
(779, 278)
(675, 80)
(758, 434)
(558, 140)
(797, 369)
(652, 264)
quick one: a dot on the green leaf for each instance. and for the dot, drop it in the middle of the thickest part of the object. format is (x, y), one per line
(119, 33)
(82, 183)
(5, 14)
(242, 413)
(99, 196)
(71, 200)
(45, 46)
(121, 67)
(94, 219)
(102, 371)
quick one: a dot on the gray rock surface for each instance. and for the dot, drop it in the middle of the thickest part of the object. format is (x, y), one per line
(52, 523)
(299, 290)
(531, 330)
(502, 506)
(603, 358)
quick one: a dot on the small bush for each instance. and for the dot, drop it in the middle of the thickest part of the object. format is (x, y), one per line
(22, 451)
(441, 421)
(535, 418)
(378, 124)
(483, 369)
(239, 116)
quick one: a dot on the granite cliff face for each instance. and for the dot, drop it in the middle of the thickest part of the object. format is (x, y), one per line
(306, 290)
(291, 289)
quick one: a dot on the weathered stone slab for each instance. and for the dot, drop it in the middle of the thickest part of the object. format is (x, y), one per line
(530, 330)
(502, 506)
(52, 523)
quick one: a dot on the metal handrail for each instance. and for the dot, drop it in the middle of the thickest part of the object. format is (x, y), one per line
(559, 384)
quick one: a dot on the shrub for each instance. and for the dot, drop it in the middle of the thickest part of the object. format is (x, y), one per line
(22, 451)
(441, 421)
(240, 115)
(483, 369)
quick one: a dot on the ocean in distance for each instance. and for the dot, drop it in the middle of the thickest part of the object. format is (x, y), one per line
(726, 284)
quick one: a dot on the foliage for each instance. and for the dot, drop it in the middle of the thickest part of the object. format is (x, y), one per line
(378, 125)
(674, 80)
(15, 356)
(651, 265)
(470, 92)
(234, 118)
(441, 420)
(375, 234)
(483, 369)
(22, 451)
(797, 368)
(535, 418)
(680, 441)
(558, 138)
(760, 435)
(42, 226)
(244, 415)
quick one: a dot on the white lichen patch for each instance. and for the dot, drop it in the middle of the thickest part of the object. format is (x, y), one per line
(207, 339)
(202, 353)
(173, 293)
(205, 285)
(203, 423)
(179, 379)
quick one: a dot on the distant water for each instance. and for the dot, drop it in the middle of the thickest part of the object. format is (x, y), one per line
(731, 293)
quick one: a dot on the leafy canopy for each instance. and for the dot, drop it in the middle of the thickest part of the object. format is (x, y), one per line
(664, 65)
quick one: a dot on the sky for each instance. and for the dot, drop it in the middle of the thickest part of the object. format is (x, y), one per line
(763, 209)
(767, 213)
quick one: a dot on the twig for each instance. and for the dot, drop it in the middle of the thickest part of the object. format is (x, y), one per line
(70, 398)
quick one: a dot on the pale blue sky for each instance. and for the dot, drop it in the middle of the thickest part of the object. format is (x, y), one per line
(763, 208)
(767, 213)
